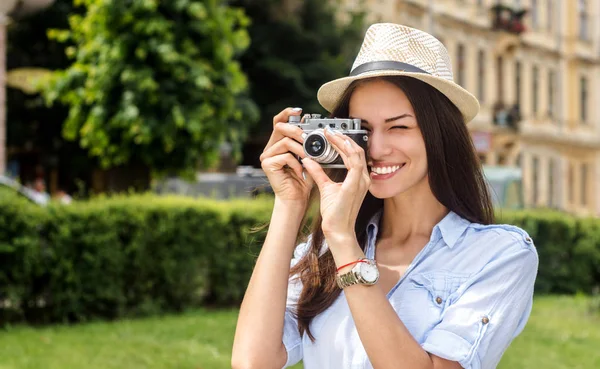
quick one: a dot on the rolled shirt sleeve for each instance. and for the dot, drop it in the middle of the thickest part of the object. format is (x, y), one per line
(488, 311)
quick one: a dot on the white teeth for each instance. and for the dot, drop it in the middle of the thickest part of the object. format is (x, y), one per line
(385, 170)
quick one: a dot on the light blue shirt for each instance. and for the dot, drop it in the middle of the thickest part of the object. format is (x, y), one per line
(465, 297)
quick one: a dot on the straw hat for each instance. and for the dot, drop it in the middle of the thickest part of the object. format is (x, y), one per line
(395, 50)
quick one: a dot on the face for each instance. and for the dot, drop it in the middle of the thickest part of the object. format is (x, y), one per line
(40, 186)
(396, 150)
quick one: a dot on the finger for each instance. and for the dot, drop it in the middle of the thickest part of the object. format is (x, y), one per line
(297, 168)
(316, 172)
(280, 162)
(336, 140)
(282, 146)
(350, 154)
(353, 156)
(357, 159)
(359, 172)
(284, 115)
(282, 130)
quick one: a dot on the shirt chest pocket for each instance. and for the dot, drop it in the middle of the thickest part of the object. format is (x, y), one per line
(421, 301)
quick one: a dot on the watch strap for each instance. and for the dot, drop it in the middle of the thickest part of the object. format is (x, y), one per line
(347, 279)
(352, 277)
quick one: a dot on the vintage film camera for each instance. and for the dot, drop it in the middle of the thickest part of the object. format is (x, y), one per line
(316, 145)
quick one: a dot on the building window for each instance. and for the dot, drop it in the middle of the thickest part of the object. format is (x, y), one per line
(551, 87)
(500, 78)
(460, 75)
(518, 83)
(549, 15)
(551, 176)
(535, 184)
(535, 97)
(583, 97)
(481, 75)
(534, 14)
(584, 179)
(583, 19)
(571, 184)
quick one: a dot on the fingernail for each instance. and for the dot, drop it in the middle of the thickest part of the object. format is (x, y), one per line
(304, 175)
(304, 135)
(297, 109)
(347, 142)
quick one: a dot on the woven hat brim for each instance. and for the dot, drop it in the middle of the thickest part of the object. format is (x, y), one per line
(330, 93)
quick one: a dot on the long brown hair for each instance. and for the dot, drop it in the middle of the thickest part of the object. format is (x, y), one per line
(455, 177)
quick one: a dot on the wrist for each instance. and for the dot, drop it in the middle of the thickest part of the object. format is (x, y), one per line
(345, 250)
(340, 238)
(347, 259)
(290, 207)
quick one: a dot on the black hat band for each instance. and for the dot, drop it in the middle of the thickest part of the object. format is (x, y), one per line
(385, 65)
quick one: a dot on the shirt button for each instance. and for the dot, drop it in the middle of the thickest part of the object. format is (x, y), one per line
(438, 300)
(485, 320)
(528, 240)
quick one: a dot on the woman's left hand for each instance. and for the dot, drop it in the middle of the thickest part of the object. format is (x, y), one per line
(340, 202)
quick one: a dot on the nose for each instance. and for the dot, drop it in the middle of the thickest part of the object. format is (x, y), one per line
(378, 147)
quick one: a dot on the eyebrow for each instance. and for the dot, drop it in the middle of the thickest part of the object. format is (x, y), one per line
(388, 119)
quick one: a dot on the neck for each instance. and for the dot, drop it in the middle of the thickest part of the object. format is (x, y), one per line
(412, 213)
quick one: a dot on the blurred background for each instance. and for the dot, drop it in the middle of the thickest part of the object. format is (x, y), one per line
(130, 135)
(532, 64)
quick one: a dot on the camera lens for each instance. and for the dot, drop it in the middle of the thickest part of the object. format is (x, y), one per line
(317, 148)
(315, 145)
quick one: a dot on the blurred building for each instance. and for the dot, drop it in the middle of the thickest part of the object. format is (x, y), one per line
(535, 67)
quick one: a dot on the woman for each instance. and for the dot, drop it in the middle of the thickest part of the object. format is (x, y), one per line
(404, 267)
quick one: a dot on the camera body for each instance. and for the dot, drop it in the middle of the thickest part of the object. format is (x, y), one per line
(316, 145)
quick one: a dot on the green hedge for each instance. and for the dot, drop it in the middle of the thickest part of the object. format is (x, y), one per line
(126, 256)
(568, 248)
(141, 255)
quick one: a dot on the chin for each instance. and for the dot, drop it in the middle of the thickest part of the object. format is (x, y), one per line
(389, 189)
(386, 192)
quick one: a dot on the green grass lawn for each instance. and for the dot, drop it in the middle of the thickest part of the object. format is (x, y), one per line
(562, 333)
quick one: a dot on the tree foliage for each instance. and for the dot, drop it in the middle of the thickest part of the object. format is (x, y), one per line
(154, 82)
(296, 47)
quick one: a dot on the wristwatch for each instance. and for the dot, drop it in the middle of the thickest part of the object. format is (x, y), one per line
(365, 272)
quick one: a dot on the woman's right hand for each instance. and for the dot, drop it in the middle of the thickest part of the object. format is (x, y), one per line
(279, 162)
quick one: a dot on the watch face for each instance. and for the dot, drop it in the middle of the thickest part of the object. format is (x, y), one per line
(369, 272)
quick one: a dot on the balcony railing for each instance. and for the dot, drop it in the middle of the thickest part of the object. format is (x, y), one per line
(508, 19)
(507, 116)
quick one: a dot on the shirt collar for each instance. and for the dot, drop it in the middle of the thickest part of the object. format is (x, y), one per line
(373, 226)
(451, 227)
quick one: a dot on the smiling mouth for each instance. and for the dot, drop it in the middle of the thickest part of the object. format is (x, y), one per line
(386, 170)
